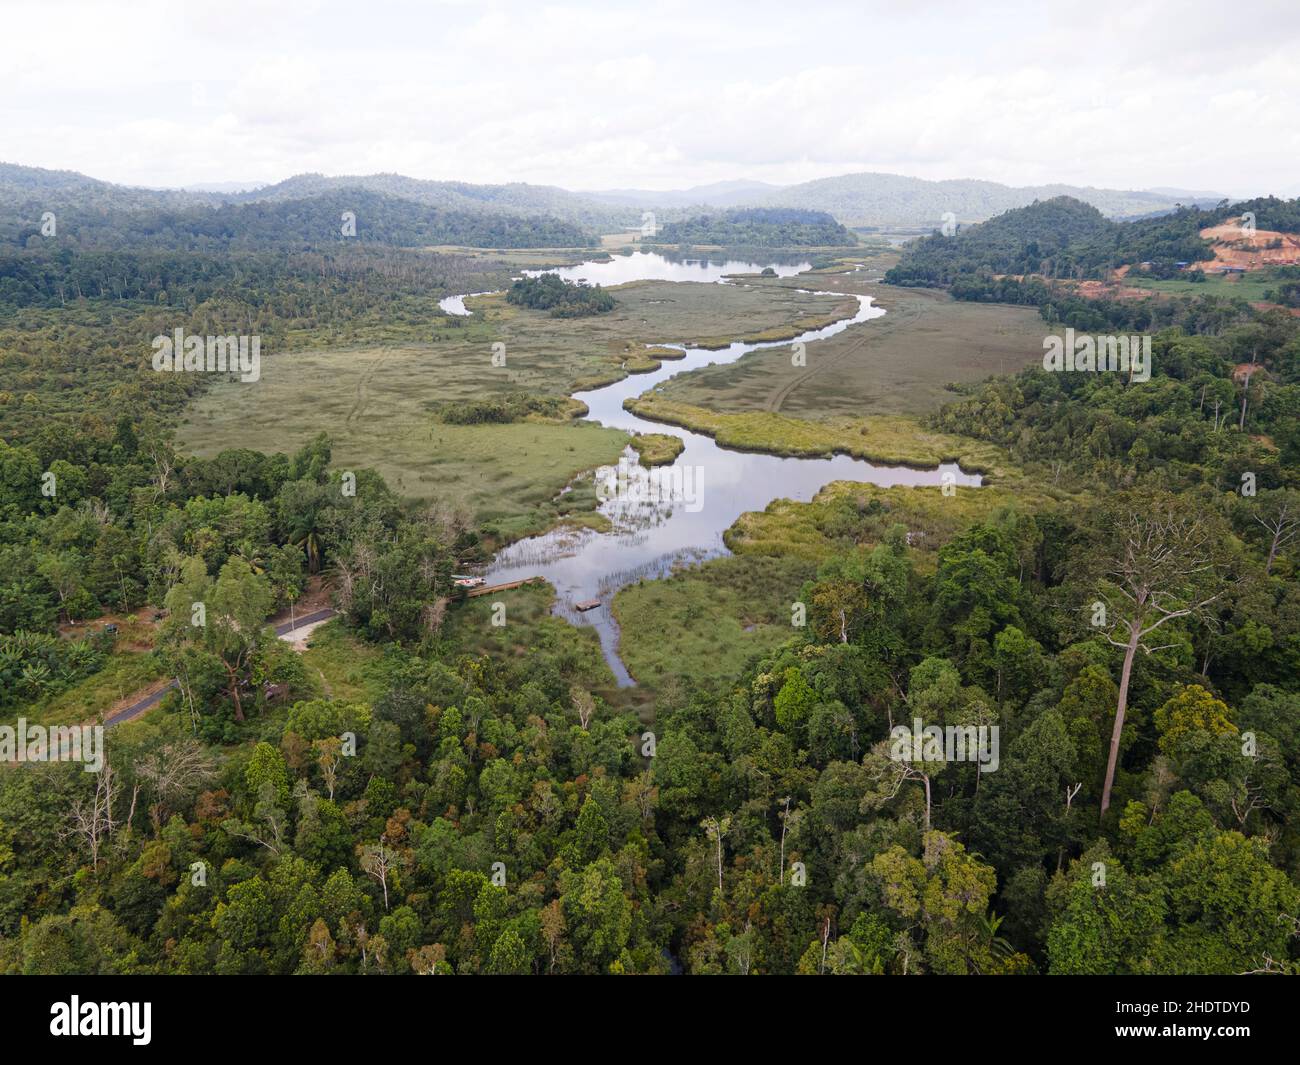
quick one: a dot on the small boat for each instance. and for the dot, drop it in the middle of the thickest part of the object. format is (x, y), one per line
(587, 604)
(468, 582)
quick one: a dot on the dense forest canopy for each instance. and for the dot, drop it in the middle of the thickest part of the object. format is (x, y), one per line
(438, 809)
(758, 227)
(329, 219)
(24, 190)
(564, 299)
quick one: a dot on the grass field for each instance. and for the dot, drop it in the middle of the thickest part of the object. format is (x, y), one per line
(377, 402)
(705, 622)
(345, 667)
(899, 363)
(1243, 287)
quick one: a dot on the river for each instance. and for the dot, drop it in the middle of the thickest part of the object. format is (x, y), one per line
(676, 514)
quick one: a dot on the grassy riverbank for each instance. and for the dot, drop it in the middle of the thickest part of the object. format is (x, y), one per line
(892, 440)
(848, 514)
(900, 363)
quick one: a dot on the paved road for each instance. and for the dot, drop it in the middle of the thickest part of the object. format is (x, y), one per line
(136, 709)
(306, 619)
(149, 701)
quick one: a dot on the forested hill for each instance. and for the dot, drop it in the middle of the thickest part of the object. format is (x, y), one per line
(38, 189)
(514, 198)
(1066, 238)
(301, 223)
(759, 227)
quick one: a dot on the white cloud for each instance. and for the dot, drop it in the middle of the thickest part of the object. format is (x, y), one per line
(1121, 93)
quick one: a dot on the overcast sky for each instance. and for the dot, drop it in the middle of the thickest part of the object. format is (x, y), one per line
(658, 94)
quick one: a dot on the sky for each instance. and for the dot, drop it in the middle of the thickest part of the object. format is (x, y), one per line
(657, 94)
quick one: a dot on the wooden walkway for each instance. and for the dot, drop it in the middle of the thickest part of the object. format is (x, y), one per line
(501, 587)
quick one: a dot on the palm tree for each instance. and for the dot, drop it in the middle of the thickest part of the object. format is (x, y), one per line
(252, 555)
(301, 507)
(304, 535)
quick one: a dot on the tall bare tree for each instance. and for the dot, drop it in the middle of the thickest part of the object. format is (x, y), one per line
(174, 772)
(377, 861)
(717, 829)
(584, 704)
(91, 817)
(1279, 513)
(329, 756)
(1245, 388)
(1167, 563)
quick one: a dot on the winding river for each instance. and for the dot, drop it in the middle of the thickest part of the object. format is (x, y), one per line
(678, 513)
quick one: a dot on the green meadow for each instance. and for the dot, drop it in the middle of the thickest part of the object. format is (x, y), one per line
(900, 363)
(379, 403)
(706, 621)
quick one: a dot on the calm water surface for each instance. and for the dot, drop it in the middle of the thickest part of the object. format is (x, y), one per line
(676, 514)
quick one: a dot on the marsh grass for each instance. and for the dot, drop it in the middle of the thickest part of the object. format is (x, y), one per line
(901, 363)
(657, 449)
(705, 622)
(893, 440)
(377, 403)
(468, 629)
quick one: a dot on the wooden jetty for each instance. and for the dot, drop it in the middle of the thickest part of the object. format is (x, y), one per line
(501, 587)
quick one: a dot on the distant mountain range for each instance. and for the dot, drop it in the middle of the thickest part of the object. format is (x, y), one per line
(308, 211)
(891, 199)
(883, 200)
(862, 200)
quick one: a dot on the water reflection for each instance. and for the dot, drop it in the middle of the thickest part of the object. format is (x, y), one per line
(660, 266)
(652, 531)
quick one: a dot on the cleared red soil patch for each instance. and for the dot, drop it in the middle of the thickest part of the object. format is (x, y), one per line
(1096, 290)
(1264, 305)
(1232, 247)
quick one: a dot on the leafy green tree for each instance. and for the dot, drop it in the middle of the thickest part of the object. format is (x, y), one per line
(597, 913)
(943, 896)
(233, 612)
(794, 702)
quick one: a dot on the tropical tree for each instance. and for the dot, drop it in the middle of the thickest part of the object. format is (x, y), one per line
(1167, 564)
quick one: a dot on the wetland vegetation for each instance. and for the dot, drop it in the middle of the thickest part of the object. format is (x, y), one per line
(901, 515)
